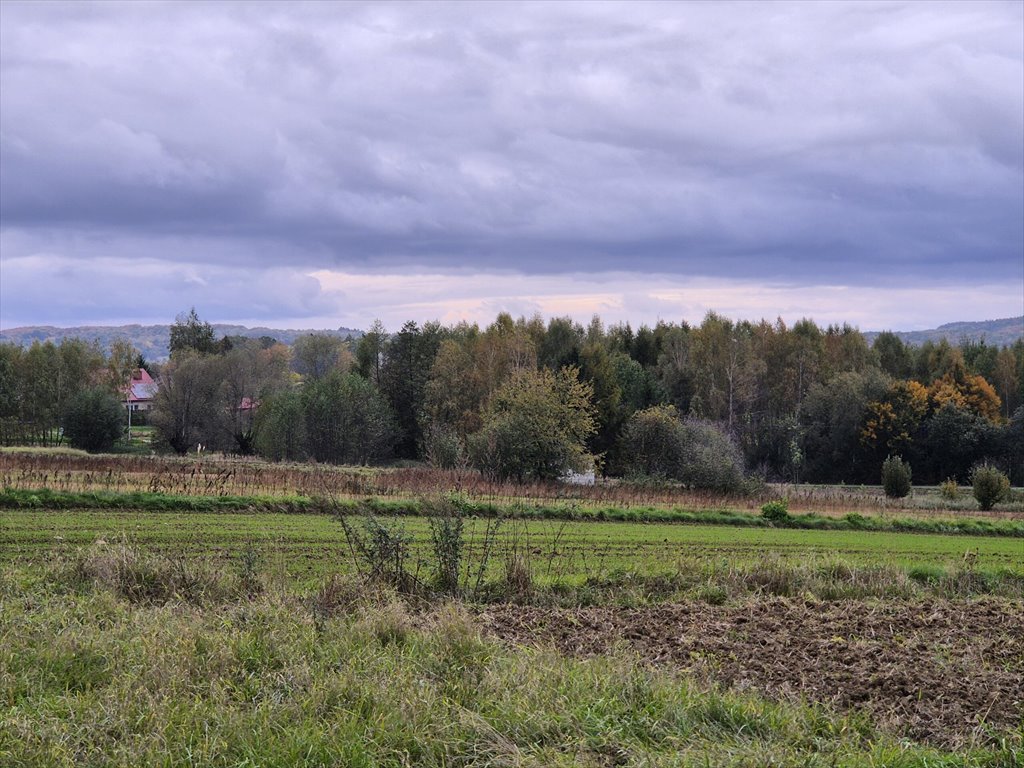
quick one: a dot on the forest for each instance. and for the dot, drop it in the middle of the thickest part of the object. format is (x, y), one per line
(718, 405)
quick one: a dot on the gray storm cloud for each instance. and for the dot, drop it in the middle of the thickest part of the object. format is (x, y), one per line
(830, 143)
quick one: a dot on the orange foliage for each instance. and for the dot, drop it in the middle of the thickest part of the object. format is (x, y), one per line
(891, 422)
(971, 393)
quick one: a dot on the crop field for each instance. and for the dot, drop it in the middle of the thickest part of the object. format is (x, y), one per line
(305, 548)
(249, 637)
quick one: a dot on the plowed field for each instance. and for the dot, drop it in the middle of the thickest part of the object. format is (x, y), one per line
(938, 671)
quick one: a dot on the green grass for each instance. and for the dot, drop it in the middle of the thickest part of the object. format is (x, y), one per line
(88, 678)
(38, 450)
(305, 548)
(45, 498)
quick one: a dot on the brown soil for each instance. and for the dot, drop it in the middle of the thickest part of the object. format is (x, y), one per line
(936, 671)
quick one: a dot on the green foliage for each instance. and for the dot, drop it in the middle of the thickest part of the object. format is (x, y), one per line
(990, 486)
(281, 427)
(711, 459)
(656, 443)
(446, 518)
(190, 334)
(802, 402)
(94, 420)
(776, 511)
(895, 477)
(347, 420)
(537, 427)
(314, 355)
(893, 355)
(949, 490)
(381, 548)
(651, 443)
(832, 416)
(186, 410)
(442, 447)
(408, 358)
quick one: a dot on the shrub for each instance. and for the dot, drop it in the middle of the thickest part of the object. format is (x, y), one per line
(446, 532)
(711, 460)
(949, 490)
(651, 443)
(656, 443)
(990, 486)
(856, 521)
(537, 427)
(895, 477)
(443, 448)
(776, 511)
(94, 420)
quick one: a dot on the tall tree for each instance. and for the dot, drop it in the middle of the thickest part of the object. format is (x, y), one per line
(892, 355)
(186, 409)
(347, 420)
(407, 364)
(537, 426)
(190, 334)
(317, 354)
(370, 353)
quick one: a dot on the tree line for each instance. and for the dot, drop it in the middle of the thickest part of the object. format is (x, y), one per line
(526, 398)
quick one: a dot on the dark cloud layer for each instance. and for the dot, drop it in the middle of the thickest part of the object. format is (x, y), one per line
(810, 143)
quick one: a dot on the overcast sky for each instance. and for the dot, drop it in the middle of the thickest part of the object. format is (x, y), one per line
(323, 164)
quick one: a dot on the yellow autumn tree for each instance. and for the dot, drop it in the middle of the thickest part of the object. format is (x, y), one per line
(969, 393)
(891, 422)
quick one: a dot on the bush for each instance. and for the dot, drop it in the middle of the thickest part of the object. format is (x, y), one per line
(94, 420)
(895, 477)
(990, 486)
(711, 460)
(656, 443)
(776, 511)
(537, 427)
(651, 443)
(949, 490)
(443, 448)
(446, 517)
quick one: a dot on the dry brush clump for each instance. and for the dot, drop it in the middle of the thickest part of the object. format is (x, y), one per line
(143, 577)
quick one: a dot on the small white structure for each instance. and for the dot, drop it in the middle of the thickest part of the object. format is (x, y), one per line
(579, 478)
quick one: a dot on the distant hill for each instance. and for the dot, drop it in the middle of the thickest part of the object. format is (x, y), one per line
(153, 341)
(995, 332)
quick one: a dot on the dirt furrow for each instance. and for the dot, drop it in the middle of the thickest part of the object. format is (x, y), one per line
(943, 672)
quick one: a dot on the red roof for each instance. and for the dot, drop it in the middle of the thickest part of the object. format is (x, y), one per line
(142, 388)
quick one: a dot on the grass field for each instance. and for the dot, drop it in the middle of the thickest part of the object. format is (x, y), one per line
(242, 638)
(307, 548)
(92, 680)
